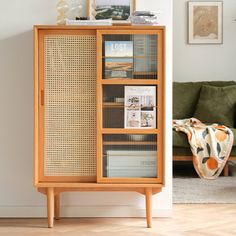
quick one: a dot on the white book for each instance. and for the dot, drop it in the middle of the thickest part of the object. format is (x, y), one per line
(89, 22)
(131, 161)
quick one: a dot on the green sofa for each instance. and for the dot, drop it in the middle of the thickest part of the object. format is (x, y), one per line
(185, 99)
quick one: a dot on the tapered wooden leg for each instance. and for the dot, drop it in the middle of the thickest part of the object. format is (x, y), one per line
(57, 206)
(50, 199)
(226, 170)
(149, 207)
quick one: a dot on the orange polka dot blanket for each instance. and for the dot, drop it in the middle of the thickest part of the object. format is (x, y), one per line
(210, 144)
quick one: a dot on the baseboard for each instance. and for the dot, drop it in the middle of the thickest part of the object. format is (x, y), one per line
(81, 211)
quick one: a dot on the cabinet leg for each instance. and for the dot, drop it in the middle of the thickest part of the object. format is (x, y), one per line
(50, 206)
(57, 206)
(149, 207)
(226, 169)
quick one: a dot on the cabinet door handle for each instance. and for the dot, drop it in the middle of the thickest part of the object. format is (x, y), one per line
(42, 97)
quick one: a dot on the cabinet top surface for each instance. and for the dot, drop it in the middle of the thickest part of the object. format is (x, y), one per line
(99, 27)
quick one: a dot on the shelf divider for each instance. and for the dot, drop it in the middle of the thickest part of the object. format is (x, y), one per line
(126, 143)
(130, 81)
(128, 131)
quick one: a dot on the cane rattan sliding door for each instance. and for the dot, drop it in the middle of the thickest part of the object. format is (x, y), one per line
(67, 105)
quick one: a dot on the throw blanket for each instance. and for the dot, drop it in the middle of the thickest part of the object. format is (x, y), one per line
(210, 144)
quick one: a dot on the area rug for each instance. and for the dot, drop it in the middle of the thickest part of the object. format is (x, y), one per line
(196, 190)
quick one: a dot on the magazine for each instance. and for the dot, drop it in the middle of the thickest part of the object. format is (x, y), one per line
(140, 107)
(118, 59)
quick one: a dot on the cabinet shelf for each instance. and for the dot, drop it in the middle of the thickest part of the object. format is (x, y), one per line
(116, 105)
(130, 81)
(144, 72)
(113, 104)
(141, 57)
(128, 131)
(123, 143)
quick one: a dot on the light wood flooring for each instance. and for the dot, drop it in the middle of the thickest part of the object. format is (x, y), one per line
(189, 220)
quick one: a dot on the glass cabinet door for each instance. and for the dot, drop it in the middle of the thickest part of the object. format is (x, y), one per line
(129, 101)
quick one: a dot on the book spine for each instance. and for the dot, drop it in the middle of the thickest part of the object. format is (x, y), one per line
(124, 161)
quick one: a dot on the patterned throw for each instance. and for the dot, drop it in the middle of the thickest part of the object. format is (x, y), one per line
(210, 144)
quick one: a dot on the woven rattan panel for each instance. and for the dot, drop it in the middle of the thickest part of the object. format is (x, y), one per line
(70, 105)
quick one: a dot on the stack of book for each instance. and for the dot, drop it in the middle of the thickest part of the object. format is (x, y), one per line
(131, 164)
(144, 17)
(89, 22)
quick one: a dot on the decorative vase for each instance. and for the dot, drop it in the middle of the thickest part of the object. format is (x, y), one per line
(75, 9)
(93, 11)
(62, 8)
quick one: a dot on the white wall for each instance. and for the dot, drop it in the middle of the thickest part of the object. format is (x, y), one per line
(18, 197)
(204, 62)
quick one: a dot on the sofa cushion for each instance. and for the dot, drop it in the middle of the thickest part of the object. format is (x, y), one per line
(216, 105)
(186, 95)
(180, 139)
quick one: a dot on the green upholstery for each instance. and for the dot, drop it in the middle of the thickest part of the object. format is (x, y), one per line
(180, 139)
(186, 95)
(185, 100)
(216, 105)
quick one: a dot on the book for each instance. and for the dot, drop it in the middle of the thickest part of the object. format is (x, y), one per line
(140, 107)
(130, 165)
(118, 68)
(131, 161)
(89, 22)
(118, 59)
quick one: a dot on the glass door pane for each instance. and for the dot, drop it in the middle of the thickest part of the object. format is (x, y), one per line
(130, 156)
(130, 106)
(129, 56)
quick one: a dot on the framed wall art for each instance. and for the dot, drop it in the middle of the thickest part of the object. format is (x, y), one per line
(118, 10)
(205, 22)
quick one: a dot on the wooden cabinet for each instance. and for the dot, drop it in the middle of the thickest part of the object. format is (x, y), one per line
(99, 110)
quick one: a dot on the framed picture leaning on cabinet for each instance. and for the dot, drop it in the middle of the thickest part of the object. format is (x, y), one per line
(117, 10)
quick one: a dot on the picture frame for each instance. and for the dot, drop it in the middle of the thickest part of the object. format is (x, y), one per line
(205, 22)
(118, 10)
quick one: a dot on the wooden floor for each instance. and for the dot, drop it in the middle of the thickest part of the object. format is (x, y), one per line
(189, 220)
